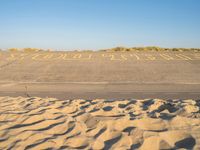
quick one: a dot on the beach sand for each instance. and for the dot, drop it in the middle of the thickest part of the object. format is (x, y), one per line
(148, 124)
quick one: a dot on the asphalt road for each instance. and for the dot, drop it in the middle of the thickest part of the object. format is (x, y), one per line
(88, 75)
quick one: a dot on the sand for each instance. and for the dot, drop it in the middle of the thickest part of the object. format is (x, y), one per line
(49, 123)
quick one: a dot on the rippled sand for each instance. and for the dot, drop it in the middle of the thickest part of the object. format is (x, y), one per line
(48, 123)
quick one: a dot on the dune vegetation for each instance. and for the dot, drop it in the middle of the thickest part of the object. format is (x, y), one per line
(150, 48)
(115, 49)
(26, 49)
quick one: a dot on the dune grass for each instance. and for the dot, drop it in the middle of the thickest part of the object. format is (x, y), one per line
(115, 49)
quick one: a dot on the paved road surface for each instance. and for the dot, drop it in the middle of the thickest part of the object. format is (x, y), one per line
(101, 74)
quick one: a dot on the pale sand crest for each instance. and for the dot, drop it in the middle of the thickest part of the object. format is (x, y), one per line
(48, 123)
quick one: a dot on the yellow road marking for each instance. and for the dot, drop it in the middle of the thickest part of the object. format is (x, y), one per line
(12, 57)
(137, 57)
(89, 57)
(74, 57)
(23, 56)
(16, 57)
(124, 57)
(35, 56)
(184, 57)
(77, 56)
(60, 56)
(150, 57)
(48, 56)
(103, 55)
(166, 57)
(64, 57)
(113, 57)
(81, 57)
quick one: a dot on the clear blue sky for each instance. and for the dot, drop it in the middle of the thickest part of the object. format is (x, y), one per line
(97, 24)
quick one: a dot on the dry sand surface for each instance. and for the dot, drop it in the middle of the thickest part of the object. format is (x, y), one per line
(49, 123)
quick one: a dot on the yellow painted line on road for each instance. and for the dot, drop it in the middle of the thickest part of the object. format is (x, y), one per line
(103, 55)
(16, 57)
(82, 57)
(166, 57)
(60, 56)
(106, 55)
(184, 57)
(64, 57)
(74, 57)
(124, 57)
(48, 56)
(77, 56)
(113, 57)
(11, 57)
(35, 56)
(89, 57)
(23, 56)
(137, 57)
(150, 57)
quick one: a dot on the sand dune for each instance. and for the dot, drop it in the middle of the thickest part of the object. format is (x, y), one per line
(48, 123)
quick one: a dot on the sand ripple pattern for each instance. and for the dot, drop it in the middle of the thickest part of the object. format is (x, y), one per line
(48, 123)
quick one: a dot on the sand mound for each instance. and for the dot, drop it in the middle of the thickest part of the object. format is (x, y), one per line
(48, 123)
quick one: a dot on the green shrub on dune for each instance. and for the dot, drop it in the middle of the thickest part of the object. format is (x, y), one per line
(116, 49)
(149, 48)
(31, 49)
(13, 49)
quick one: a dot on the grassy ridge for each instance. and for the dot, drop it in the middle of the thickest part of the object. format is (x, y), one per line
(116, 49)
(150, 48)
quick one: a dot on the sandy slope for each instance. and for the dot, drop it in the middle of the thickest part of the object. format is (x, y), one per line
(35, 123)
